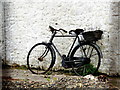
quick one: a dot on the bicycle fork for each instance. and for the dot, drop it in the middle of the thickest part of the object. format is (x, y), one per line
(44, 54)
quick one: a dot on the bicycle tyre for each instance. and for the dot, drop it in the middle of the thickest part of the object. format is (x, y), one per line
(39, 62)
(93, 66)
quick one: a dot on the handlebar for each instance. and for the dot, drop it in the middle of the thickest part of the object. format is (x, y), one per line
(53, 29)
(77, 31)
(63, 30)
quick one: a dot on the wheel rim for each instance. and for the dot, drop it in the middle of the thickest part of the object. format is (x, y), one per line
(91, 52)
(39, 59)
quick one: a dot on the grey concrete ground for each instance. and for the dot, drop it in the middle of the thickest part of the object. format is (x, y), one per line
(27, 75)
(22, 74)
(17, 75)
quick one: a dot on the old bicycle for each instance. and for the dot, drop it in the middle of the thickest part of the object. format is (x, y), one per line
(80, 57)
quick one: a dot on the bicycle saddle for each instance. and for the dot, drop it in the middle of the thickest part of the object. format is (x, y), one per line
(77, 31)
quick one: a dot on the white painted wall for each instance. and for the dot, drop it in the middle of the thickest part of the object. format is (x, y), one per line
(27, 23)
(2, 54)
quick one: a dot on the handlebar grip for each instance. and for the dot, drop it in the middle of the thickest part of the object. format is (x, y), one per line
(63, 30)
(51, 29)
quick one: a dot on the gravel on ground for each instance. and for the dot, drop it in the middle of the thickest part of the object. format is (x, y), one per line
(23, 79)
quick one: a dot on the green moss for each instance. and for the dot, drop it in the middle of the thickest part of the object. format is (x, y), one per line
(48, 79)
(64, 71)
(87, 69)
(14, 66)
(23, 67)
(49, 73)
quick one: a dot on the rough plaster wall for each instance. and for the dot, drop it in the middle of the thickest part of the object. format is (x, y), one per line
(112, 49)
(1, 33)
(0, 29)
(118, 64)
(27, 23)
(114, 41)
(1, 52)
(0, 42)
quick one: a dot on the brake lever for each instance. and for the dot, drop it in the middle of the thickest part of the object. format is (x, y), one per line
(70, 32)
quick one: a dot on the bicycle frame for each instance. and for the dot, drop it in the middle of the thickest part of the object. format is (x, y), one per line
(55, 48)
(78, 55)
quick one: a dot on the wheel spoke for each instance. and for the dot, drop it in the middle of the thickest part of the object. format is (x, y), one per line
(84, 70)
(93, 54)
(88, 51)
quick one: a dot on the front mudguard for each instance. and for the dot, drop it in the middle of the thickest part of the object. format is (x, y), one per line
(53, 53)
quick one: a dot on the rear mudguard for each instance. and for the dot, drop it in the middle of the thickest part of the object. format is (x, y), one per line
(94, 44)
(98, 49)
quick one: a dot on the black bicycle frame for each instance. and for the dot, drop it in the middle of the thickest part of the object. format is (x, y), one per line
(55, 48)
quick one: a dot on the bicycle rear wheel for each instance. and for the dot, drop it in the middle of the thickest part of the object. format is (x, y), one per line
(41, 58)
(89, 52)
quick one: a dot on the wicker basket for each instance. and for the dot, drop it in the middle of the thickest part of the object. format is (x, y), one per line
(92, 35)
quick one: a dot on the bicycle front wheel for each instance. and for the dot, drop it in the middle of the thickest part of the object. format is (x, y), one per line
(40, 58)
(86, 58)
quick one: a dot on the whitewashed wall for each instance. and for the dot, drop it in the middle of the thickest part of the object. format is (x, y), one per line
(0, 28)
(26, 23)
(2, 54)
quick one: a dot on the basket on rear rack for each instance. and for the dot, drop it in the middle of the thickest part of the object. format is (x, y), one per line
(92, 35)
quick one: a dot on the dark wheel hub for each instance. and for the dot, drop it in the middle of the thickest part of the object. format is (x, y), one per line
(82, 62)
(40, 59)
(86, 60)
